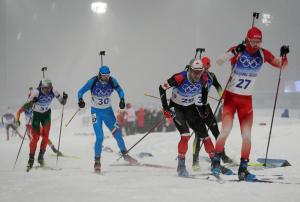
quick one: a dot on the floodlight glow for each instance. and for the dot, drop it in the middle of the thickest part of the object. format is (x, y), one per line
(266, 19)
(98, 7)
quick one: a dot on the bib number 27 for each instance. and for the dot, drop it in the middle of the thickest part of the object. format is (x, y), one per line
(243, 83)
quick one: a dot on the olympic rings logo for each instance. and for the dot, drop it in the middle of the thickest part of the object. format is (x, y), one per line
(103, 92)
(252, 63)
(191, 89)
(45, 99)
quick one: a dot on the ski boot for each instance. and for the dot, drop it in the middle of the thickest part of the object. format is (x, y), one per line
(196, 165)
(30, 162)
(225, 158)
(129, 159)
(215, 164)
(181, 169)
(97, 165)
(56, 151)
(41, 158)
(243, 173)
(226, 171)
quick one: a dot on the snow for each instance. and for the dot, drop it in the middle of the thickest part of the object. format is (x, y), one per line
(75, 181)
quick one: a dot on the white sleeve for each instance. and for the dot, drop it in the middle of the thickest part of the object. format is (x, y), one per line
(57, 95)
(224, 58)
(35, 93)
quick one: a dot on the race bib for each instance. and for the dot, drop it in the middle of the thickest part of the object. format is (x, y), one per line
(182, 100)
(101, 102)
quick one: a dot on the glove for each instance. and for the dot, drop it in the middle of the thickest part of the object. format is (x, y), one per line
(169, 114)
(18, 123)
(34, 100)
(284, 50)
(240, 48)
(81, 103)
(122, 103)
(65, 97)
(203, 111)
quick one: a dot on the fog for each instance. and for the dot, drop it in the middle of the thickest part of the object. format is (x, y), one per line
(145, 42)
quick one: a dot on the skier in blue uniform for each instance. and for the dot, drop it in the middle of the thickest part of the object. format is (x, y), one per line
(101, 87)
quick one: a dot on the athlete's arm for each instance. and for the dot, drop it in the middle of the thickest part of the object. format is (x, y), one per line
(175, 80)
(19, 112)
(85, 88)
(118, 88)
(278, 62)
(216, 84)
(226, 56)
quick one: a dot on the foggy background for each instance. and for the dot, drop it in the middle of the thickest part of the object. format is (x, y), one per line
(146, 41)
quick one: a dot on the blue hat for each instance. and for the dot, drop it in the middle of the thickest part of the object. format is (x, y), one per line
(104, 70)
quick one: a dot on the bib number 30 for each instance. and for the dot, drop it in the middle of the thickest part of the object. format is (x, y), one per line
(103, 101)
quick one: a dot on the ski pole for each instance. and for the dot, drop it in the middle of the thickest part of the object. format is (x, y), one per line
(153, 96)
(21, 143)
(274, 107)
(72, 117)
(149, 131)
(60, 129)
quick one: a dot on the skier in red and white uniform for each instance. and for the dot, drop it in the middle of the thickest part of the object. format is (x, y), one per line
(246, 62)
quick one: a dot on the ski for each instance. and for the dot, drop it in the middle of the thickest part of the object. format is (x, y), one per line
(46, 167)
(145, 165)
(270, 181)
(65, 156)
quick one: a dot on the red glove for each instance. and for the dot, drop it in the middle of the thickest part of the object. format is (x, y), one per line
(168, 114)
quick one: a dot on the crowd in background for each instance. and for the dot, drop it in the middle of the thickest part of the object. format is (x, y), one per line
(141, 120)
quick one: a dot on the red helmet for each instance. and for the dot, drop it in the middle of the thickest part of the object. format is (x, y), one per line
(206, 62)
(254, 33)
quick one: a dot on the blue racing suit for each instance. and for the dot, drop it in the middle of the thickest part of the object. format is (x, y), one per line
(102, 111)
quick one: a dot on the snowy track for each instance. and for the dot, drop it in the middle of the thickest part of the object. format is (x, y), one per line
(77, 182)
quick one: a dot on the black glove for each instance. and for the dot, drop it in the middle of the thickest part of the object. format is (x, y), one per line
(240, 48)
(34, 100)
(18, 123)
(122, 103)
(284, 50)
(65, 97)
(203, 111)
(81, 103)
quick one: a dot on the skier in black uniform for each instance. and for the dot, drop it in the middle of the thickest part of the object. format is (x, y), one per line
(186, 100)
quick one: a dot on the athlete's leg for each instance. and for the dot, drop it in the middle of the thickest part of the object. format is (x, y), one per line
(97, 125)
(46, 124)
(227, 121)
(245, 114)
(36, 119)
(111, 122)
